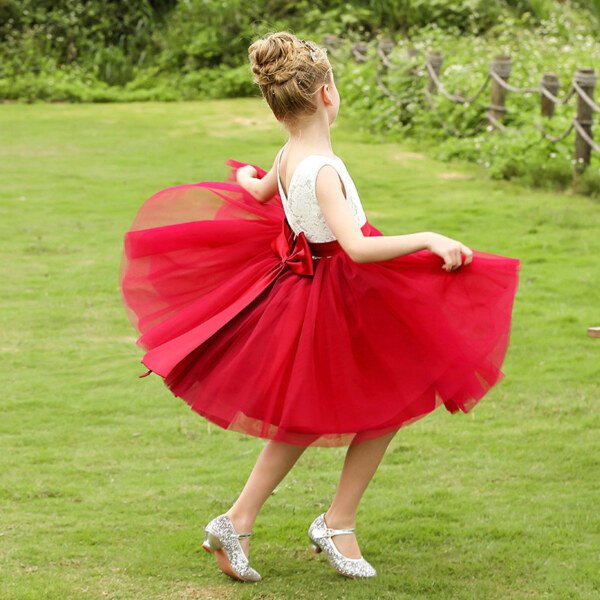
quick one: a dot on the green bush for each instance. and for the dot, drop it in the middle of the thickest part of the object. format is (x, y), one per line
(77, 51)
(564, 41)
(589, 182)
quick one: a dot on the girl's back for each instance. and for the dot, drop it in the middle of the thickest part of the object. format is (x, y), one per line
(300, 202)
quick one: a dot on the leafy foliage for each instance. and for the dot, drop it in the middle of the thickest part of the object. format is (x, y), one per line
(104, 51)
(561, 43)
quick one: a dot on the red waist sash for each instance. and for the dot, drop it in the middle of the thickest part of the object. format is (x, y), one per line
(298, 253)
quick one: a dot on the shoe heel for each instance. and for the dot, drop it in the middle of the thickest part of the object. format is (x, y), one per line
(211, 543)
(314, 547)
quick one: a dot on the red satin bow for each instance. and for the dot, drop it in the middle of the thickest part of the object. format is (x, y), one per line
(294, 250)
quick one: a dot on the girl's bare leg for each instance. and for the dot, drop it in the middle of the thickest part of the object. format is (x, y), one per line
(272, 465)
(360, 464)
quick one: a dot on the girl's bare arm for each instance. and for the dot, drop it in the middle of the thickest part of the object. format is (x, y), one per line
(261, 189)
(364, 249)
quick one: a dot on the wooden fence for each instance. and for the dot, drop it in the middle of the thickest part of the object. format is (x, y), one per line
(581, 89)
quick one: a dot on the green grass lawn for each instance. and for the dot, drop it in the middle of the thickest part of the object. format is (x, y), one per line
(107, 480)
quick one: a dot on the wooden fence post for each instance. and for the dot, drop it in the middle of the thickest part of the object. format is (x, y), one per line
(501, 66)
(411, 53)
(359, 51)
(330, 40)
(551, 83)
(386, 45)
(586, 79)
(435, 59)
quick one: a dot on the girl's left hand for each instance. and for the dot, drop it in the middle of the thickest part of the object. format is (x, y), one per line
(248, 170)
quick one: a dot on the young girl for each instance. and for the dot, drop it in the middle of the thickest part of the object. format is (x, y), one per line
(271, 305)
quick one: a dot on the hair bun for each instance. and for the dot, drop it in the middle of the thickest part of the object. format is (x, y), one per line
(288, 71)
(274, 59)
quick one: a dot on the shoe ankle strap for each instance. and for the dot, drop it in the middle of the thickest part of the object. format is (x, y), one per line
(329, 531)
(243, 535)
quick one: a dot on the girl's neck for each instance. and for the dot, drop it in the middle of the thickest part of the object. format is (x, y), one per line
(312, 141)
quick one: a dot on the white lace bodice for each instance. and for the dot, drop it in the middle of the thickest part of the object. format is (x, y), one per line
(301, 206)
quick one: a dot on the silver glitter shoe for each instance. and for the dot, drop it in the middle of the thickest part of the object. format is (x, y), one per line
(221, 539)
(320, 536)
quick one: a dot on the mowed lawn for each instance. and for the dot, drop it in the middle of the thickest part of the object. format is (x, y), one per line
(106, 480)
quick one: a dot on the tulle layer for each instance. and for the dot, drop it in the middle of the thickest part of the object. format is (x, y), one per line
(262, 333)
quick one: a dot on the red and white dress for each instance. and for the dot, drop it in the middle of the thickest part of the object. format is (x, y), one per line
(256, 317)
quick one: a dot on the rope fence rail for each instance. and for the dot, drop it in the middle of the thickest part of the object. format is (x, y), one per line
(581, 87)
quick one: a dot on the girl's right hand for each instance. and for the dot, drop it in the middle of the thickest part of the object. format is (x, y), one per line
(248, 170)
(450, 250)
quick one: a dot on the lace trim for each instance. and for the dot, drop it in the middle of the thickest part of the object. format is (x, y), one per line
(302, 207)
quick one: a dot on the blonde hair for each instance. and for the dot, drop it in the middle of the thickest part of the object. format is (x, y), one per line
(289, 71)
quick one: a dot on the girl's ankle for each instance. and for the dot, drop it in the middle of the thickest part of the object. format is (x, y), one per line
(241, 523)
(339, 521)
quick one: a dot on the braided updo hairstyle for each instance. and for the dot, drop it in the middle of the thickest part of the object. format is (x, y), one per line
(289, 71)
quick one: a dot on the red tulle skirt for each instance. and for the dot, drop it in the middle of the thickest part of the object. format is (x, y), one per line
(264, 333)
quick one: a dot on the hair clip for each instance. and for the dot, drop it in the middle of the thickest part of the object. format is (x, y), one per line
(313, 52)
